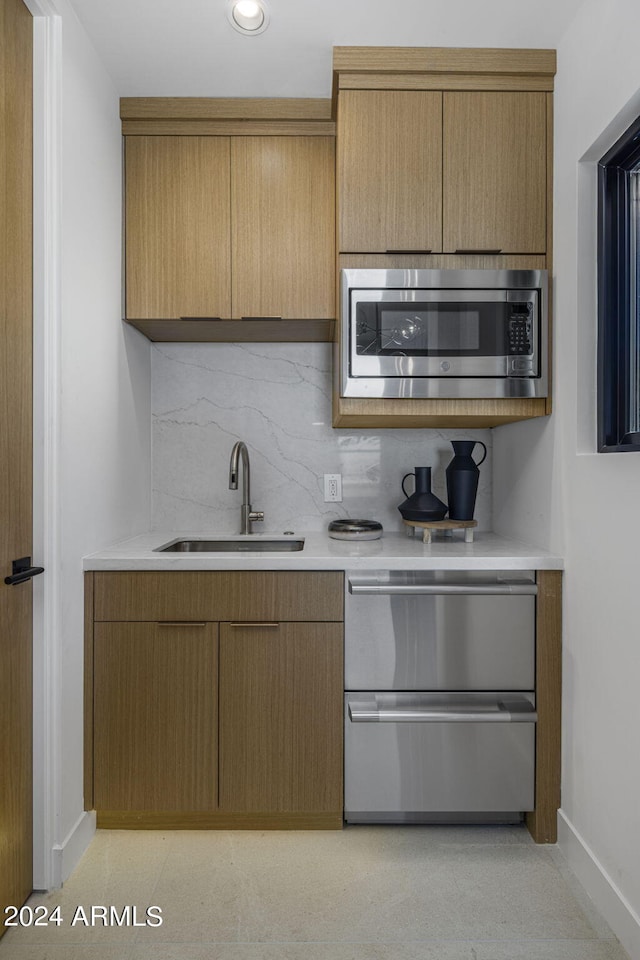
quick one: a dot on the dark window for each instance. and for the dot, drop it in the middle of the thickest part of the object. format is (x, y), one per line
(619, 295)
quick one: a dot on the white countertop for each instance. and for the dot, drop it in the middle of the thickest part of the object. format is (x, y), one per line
(393, 551)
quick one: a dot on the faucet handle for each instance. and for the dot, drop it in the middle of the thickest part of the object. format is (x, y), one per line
(256, 515)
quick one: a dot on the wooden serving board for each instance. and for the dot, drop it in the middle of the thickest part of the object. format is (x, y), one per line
(448, 526)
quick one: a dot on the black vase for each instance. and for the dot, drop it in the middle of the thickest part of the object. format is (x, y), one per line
(422, 505)
(462, 479)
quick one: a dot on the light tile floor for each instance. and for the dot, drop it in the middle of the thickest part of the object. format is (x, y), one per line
(366, 893)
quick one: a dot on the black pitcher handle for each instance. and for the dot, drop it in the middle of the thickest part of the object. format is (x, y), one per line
(410, 475)
(484, 455)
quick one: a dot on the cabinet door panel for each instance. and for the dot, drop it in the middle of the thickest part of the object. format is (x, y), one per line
(281, 718)
(494, 177)
(177, 227)
(283, 216)
(390, 170)
(155, 716)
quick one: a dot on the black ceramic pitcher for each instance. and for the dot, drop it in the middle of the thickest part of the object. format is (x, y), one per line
(423, 505)
(462, 479)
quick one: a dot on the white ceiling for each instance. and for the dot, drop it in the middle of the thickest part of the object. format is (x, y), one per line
(188, 48)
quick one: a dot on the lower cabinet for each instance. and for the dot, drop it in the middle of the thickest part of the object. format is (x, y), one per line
(155, 716)
(280, 717)
(214, 723)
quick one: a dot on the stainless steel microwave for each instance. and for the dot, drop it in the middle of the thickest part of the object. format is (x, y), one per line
(444, 333)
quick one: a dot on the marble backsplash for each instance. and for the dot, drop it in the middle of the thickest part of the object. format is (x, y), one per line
(277, 398)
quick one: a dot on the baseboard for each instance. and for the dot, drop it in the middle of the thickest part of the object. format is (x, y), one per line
(66, 855)
(608, 899)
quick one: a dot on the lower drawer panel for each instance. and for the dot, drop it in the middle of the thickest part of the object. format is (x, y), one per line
(409, 769)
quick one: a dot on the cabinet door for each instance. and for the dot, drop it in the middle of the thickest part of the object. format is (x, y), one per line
(155, 716)
(494, 178)
(177, 210)
(283, 235)
(390, 170)
(281, 717)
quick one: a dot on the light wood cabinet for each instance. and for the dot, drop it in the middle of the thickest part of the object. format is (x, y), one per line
(161, 648)
(390, 170)
(495, 172)
(281, 717)
(283, 233)
(229, 227)
(444, 162)
(155, 702)
(177, 227)
(424, 171)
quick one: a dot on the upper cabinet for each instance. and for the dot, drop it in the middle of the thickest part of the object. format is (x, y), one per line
(390, 171)
(494, 186)
(422, 171)
(178, 227)
(229, 220)
(444, 162)
(283, 228)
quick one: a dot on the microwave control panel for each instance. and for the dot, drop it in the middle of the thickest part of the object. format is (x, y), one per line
(520, 329)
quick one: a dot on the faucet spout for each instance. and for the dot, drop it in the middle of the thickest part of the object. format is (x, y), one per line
(247, 515)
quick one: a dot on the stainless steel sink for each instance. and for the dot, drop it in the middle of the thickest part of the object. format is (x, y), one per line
(246, 544)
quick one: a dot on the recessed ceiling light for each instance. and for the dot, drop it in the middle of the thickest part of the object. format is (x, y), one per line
(249, 17)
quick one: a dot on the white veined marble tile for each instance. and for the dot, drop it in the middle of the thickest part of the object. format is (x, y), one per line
(277, 398)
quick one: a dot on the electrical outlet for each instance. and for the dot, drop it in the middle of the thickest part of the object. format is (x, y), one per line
(332, 487)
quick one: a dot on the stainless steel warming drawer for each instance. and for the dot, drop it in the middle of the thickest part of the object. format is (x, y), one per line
(435, 631)
(439, 704)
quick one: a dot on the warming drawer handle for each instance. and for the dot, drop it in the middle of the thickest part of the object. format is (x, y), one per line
(478, 589)
(499, 714)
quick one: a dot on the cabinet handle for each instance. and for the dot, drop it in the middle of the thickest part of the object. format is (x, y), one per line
(201, 318)
(407, 251)
(180, 623)
(254, 623)
(261, 318)
(478, 250)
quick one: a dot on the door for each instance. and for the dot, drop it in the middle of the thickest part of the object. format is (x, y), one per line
(495, 172)
(16, 707)
(390, 171)
(283, 227)
(155, 716)
(177, 227)
(281, 717)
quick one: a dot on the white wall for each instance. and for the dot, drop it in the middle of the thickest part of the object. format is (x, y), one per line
(100, 415)
(551, 488)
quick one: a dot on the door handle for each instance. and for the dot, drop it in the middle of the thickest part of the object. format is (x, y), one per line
(22, 571)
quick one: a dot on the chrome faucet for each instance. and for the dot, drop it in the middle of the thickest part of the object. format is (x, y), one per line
(247, 514)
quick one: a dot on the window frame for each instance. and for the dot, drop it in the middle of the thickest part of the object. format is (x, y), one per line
(618, 275)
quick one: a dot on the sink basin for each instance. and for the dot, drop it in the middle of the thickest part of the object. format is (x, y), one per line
(241, 545)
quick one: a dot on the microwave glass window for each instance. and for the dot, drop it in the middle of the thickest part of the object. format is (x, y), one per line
(429, 329)
(464, 329)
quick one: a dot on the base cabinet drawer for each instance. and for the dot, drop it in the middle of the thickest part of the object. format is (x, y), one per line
(218, 595)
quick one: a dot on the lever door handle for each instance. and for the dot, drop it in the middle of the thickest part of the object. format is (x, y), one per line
(22, 571)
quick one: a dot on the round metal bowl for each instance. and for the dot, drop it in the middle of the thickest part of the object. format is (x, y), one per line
(355, 529)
